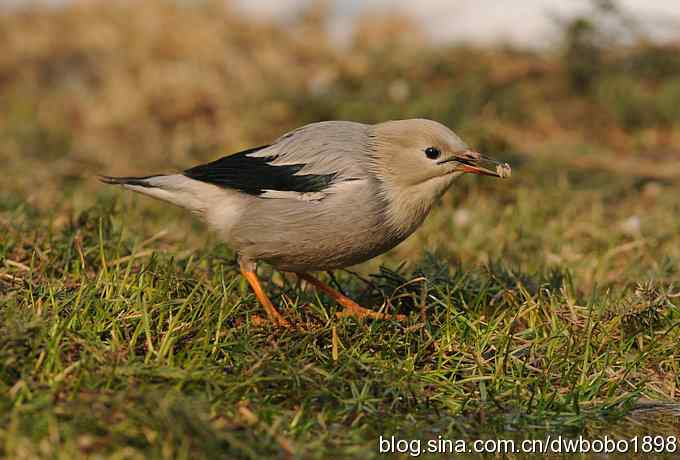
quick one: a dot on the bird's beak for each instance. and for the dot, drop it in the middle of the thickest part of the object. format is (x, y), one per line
(474, 163)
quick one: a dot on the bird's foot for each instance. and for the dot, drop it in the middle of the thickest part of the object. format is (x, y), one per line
(360, 312)
(351, 308)
(273, 314)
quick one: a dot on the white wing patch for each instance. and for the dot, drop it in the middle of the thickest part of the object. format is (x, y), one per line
(289, 195)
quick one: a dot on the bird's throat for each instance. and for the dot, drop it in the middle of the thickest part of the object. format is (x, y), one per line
(407, 207)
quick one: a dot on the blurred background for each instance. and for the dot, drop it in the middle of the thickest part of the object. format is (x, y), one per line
(582, 97)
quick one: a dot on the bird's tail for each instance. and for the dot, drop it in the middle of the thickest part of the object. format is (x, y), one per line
(177, 189)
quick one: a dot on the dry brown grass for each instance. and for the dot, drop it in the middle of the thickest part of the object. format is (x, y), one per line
(137, 87)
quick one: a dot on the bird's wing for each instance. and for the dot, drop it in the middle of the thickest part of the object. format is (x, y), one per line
(302, 164)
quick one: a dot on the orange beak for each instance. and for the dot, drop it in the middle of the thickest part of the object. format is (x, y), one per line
(478, 170)
(472, 162)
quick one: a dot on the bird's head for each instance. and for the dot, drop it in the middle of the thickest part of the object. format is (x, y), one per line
(417, 161)
(415, 152)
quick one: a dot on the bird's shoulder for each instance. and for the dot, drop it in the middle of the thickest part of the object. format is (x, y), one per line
(304, 163)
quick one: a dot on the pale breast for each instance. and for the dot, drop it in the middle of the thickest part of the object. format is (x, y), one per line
(348, 226)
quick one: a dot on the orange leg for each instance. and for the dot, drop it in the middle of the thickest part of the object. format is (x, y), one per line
(272, 312)
(351, 308)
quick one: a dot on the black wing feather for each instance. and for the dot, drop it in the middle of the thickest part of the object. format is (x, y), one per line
(255, 175)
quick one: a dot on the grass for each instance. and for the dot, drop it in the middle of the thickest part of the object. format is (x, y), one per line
(541, 305)
(123, 342)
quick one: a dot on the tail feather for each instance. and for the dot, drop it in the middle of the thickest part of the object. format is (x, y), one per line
(220, 207)
(176, 189)
(127, 180)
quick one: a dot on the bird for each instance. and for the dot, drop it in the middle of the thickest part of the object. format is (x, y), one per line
(325, 196)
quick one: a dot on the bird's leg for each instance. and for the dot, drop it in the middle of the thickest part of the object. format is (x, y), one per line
(351, 308)
(248, 272)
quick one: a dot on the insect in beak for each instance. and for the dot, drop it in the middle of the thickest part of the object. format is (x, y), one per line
(471, 162)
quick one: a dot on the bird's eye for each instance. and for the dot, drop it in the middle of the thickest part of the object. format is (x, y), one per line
(432, 153)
